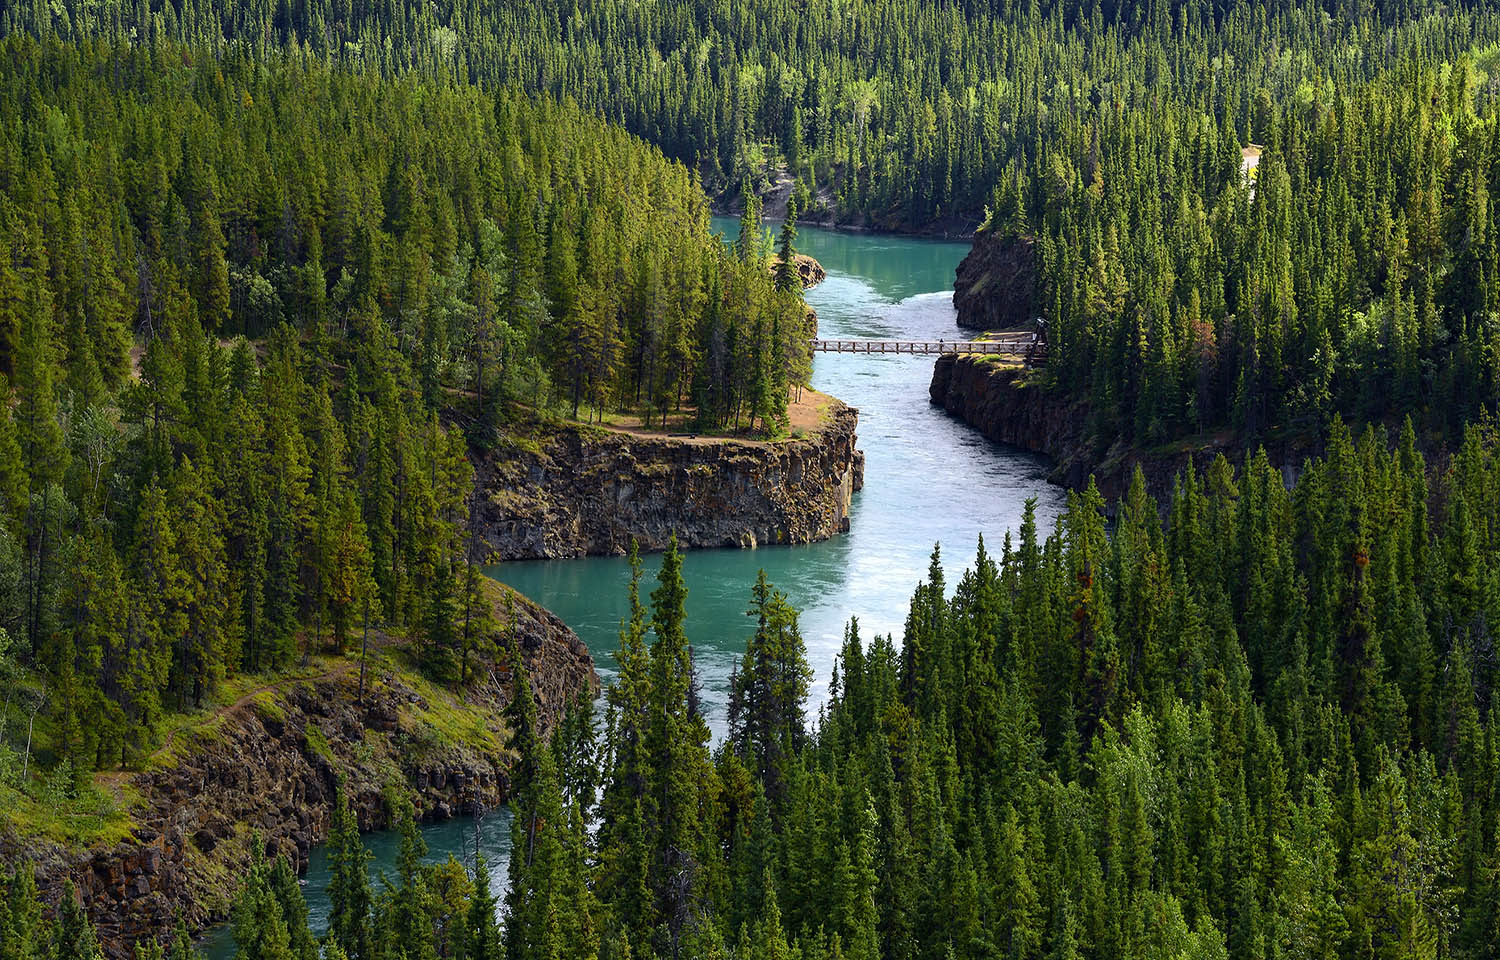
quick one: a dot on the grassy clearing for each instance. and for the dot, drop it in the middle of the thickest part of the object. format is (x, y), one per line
(81, 817)
(318, 744)
(444, 721)
(182, 733)
(98, 808)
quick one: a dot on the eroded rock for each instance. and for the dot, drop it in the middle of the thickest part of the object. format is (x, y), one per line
(590, 492)
(1003, 403)
(995, 286)
(267, 771)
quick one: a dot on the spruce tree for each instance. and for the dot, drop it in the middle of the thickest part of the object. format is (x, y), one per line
(675, 743)
(349, 899)
(72, 934)
(788, 280)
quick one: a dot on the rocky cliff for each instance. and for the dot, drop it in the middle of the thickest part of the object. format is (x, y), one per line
(576, 491)
(1006, 405)
(809, 270)
(264, 769)
(996, 399)
(995, 286)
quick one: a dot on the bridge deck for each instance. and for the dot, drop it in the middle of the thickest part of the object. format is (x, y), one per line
(1022, 347)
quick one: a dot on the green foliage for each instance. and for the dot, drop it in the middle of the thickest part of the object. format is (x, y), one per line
(1079, 753)
(349, 897)
(1075, 755)
(1258, 727)
(767, 690)
(411, 258)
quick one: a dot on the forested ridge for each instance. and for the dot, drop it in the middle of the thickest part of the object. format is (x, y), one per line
(1353, 271)
(1257, 723)
(257, 313)
(273, 272)
(900, 112)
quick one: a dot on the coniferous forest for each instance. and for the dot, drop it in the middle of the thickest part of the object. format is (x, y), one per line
(1101, 744)
(253, 315)
(273, 275)
(1352, 272)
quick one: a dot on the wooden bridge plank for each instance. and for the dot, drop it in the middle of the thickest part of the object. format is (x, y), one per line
(1021, 347)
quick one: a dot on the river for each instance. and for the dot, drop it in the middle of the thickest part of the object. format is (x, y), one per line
(928, 479)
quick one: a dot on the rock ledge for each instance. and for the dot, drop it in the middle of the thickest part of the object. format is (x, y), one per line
(586, 492)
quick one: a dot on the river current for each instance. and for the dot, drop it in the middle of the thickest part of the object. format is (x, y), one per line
(928, 479)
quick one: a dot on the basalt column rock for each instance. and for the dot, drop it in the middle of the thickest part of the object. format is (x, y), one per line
(996, 400)
(995, 287)
(590, 492)
(1005, 403)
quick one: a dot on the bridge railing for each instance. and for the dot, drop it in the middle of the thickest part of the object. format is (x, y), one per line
(1023, 346)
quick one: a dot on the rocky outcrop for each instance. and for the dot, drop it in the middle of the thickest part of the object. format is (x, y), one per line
(995, 287)
(261, 775)
(558, 664)
(578, 491)
(1007, 405)
(997, 400)
(809, 269)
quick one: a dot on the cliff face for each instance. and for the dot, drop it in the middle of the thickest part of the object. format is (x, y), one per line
(998, 401)
(581, 492)
(264, 770)
(995, 287)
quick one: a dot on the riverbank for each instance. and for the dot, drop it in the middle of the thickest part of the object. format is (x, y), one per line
(776, 193)
(957, 229)
(559, 491)
(1007, 403)
(928, 478)
(262, 766)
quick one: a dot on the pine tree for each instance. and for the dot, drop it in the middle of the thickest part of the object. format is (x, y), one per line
(767, 692)
(23, 932)
(288, 894)
(1019, 928)
(482, 933)
(675, 743)
(747, 246)
(536, 911)
(14, 478)
(260, 930)
(860, 920)
(623, 842)
(403, 914)
(788, 280)
(349, 899)
(72, 934)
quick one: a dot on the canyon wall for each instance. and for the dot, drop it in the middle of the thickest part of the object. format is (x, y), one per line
(577, 491)
(1005, 403)
(995, 285)
(262, 773)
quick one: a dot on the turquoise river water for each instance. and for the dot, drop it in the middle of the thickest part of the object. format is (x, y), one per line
(928, 479)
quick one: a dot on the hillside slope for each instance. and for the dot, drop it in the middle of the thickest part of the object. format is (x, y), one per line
(263, 769)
